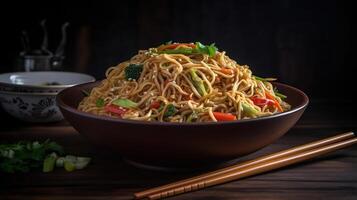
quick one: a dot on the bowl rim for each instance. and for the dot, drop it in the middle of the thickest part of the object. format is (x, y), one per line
(29, 86)
(62, 105)
(29, 93)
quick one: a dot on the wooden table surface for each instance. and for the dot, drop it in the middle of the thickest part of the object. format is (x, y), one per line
(108, 177)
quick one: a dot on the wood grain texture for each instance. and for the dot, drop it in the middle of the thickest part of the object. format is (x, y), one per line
(109, 177)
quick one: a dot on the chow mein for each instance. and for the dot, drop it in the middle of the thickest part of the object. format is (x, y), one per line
(183, 82)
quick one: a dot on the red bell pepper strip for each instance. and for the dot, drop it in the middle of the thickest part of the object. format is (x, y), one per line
(262, 102)
(155, 104)
(276, 103)
(115, 109)
(224, 116)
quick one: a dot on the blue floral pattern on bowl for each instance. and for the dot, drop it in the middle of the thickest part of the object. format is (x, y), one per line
(31, 108)
(30, 96)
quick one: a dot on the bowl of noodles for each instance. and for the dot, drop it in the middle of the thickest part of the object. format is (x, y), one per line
(182, 104)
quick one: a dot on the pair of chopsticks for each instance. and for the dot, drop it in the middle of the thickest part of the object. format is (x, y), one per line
(253, 167)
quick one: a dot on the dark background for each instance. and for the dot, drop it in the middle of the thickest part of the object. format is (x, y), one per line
(307, 44)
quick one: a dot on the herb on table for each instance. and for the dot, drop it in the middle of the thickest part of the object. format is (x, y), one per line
(49, 163)
(71, 163)
(26, 155)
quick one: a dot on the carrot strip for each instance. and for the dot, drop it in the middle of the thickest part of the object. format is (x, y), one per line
(226, 70)
(276, 103)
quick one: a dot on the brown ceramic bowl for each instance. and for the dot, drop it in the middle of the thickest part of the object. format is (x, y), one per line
(180, 144)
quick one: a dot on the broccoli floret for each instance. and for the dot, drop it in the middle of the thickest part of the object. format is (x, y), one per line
(170, 111)
(133, 71)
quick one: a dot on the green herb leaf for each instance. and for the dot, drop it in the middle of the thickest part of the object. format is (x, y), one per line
(38, 154)
(206, 49)
(100, 102)
(53, 146)
(212, 49)
(125, 103)
(133, 71)
(14, 165)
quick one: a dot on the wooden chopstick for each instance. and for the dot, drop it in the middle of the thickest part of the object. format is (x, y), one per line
(284, 153)
(256, 169)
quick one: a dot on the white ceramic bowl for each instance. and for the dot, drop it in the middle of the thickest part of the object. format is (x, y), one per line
(36, 81)
(26, 96)
(31, 107)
